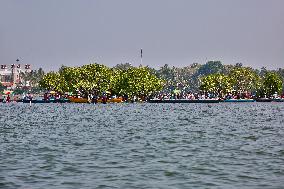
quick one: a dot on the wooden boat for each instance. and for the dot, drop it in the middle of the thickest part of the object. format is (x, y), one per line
(113, 100)
(183, 101)
(78, 100)
(239, 100)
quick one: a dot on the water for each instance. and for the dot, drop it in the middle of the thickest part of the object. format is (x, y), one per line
(222, 145)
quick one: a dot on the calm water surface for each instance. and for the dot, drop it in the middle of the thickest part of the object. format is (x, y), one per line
(222, 145)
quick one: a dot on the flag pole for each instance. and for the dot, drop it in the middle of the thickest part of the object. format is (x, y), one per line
(141, 57)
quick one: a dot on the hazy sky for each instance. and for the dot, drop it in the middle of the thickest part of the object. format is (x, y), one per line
(49, 33)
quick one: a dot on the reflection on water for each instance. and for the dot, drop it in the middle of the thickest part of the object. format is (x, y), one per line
(142, 145)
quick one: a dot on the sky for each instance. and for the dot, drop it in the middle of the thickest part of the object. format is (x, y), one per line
(51, 33)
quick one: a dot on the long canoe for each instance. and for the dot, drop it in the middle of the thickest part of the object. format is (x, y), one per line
(35, 101)
(79, 100)
(113, 100)
(269, 100)
(278, 100)
(85, 100)
(184, 101)
(46, 101)
(239, 100)
(263, 100)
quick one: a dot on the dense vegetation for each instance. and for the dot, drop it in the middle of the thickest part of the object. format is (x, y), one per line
(97, 79)
(124, 79)
(216, 78)
(243, 81)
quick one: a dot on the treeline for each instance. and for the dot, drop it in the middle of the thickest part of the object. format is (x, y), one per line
(216, 78)
(96, 79)
(212, 77)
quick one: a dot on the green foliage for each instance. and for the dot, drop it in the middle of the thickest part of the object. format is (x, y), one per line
(136, 82)
(244, 79)
(179, 78)
(280, 72)
(213, 77)
(240, 80)
(211, 67)
(51, 81)
(20, 90)
(2, 88)
(97, 78)
(32, 77)
(219, 84)
(272, 83)
(125, 66)
(94, 77)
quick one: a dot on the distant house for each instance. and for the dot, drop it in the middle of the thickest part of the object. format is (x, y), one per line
(10, 75)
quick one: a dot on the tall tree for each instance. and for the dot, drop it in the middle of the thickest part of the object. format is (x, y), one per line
(244, 79)
(272, 84)
(218, 84)
(211, 67)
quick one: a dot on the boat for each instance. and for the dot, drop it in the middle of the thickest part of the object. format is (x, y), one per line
(60, 100)
(278, 100)
(263, 100)
(45, 101)
(183, 101)
(85, 100)
(78, 100)
(238, 100)
(113, 100)
(35, 101)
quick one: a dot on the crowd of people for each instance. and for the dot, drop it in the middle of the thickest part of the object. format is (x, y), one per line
(124, 98)
(204, 95)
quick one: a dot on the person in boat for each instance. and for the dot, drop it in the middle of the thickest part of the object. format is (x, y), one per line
(238, 96)
(275, 95)
(94, 99)
(57, 96)
(8, 99)
(104, 98)
(45, 97)
(229, 96)
(30, 96)
(125, 98)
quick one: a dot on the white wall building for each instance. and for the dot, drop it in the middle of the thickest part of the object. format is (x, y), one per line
(10, 74)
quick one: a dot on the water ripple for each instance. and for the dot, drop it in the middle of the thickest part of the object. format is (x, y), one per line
(142, 145)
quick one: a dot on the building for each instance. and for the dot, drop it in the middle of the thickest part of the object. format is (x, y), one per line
(10, 75)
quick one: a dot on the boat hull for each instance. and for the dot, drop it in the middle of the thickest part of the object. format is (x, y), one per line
(115, 100)
(35, 101)
(79, 100)
(278, 100)
(46, 101)
(85, 100)
(239, 100)
(183, 101)
(263, 100)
